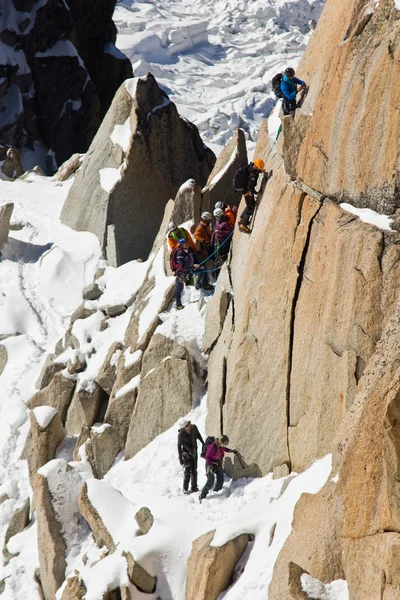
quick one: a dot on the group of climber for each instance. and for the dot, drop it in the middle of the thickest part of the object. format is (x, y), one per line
(199, 257)
(286, 86)
(213, 451)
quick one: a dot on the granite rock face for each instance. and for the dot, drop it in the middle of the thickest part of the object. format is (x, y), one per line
(141, 155)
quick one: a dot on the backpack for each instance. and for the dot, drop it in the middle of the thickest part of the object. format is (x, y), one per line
(209, 440)
(276, 85)
(172, 260)
(241, 179)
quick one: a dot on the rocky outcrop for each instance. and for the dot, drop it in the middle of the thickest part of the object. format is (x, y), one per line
(187, 204)
(84, 409)
(142, 128)
(220, 182)
(210, 569)
(3, 358)
(58, 394)
(49, 369)
(6, 211)
(69, 167)
(94, 520)
(12, 168)
(74, 590)
(102, 444)
(165, 392)
(139, 577)
(18, 522)
(45, 435)
(108, 373)
(54, 90)
(56, 488)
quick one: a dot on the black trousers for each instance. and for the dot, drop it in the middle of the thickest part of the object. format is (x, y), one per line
(190, 473)
(212, 474)
(248, 211)
(289, 106)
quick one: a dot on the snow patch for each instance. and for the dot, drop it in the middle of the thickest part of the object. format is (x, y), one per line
(121, 135)
(133, 384)
(44, 415)
(369, 216)
(337, 590)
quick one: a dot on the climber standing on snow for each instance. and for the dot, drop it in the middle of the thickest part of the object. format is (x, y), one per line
(289, 91)
(202, 236)
(187, 453)
(246, 179)
(176, 233)
(215, 453)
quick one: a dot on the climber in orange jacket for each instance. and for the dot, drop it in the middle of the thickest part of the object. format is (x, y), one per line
(203, 233)
(176, 233)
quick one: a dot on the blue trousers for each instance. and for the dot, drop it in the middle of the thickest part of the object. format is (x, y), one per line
(178, 291)
(218, 474)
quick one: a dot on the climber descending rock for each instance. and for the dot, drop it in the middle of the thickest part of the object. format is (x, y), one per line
(187, 453)
(246, 179)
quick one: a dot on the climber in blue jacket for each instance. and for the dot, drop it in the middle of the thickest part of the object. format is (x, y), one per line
(289, 91)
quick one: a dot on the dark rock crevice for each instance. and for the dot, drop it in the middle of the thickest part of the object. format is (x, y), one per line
(300, 276)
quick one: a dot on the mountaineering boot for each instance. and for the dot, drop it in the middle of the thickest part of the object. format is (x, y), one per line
(186, 492)
(179, 307)
(244, 228)
(194, 489)
(201, 498)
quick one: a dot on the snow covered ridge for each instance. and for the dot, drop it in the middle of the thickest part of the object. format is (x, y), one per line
(216, 58)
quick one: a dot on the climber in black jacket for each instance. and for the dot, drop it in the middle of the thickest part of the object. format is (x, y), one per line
(187, 453)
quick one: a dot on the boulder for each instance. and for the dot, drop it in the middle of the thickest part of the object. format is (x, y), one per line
(46, 434)
(122, 401)
(102, 444)
(58, 394)
(6, 211)
(210, 569)
(114, 310)
(142, 127)
(84, 409)
(75, 589)
(68, 168)
(82, 312)
(91, 292)
(49, 369)
(220, 182)
(18, 522)
(12, 168)
(90, 514)
(144, 519)
(108, 372)
(144, 582)
(99, 503)
(165, 392)
(3, 358)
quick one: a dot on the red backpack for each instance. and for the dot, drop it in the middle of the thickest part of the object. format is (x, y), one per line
(172, 260)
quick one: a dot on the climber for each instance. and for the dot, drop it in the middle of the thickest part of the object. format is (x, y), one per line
(230, 211)
(176, 233)
(214, 456)
(202, 237)
(183, 263)
(187, 453)
(246, 179)
(222, 234)
(289, 91)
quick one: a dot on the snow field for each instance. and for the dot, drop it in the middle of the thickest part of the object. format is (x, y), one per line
(216, 58)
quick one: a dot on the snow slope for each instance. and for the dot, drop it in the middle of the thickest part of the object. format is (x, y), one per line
(216, 58)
